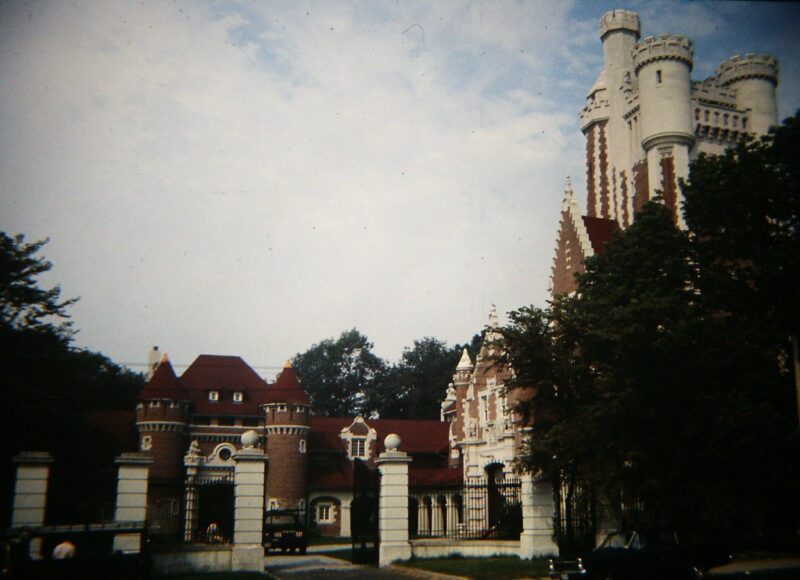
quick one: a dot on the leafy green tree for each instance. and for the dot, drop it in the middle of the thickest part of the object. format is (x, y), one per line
(647, 387)
(415, 387)
(49, 386)
(338, 374)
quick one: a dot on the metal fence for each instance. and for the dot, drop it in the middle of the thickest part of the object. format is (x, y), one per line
(575, 513)
(477, 508)
(209, 508)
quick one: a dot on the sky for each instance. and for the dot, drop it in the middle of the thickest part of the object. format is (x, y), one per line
(250, 178)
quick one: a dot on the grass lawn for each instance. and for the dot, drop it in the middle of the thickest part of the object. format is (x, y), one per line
(483, 568)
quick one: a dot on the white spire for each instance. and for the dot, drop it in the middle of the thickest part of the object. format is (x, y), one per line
(493, 317)
(568, 189)
(465, 364)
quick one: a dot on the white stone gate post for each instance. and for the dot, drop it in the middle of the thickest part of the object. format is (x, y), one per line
(393, 504)
(538, 510)
(132, 474)
(30, 493)
(248, 520)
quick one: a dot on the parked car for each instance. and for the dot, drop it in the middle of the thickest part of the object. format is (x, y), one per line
(284, 530)
(635, 555)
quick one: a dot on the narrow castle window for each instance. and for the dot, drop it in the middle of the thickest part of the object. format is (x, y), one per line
(302, 446)
(147, 442)
(658, 77)
(238, 397)
(213, 396)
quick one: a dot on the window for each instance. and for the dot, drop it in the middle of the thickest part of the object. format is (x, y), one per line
(225, 453)
(658, 77)
(273, 504)
(302, 446)
(281, 408)
(147, 442)
(213, 396)
(238, 397)
(325, 513)
(358, 447)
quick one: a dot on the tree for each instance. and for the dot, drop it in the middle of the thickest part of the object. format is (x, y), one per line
(49, 386)
(648, 388)
(23, 304)
(415, 387)
(338, 374)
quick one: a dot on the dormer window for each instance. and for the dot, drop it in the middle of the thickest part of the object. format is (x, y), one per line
(358, 447)
(213, 396)
(238, 396)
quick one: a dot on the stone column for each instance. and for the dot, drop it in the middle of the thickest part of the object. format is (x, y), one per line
(132, 474)
(393, 506)
(30, 493)
(344, 527)
(248, 523)
(538, 510)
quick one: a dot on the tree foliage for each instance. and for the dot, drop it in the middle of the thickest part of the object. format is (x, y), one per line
(667, 375)
(49, 386)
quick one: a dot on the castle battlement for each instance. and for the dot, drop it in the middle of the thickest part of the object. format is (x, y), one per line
(619, 20)
(596, 110)
(663, 47)
(749, 66)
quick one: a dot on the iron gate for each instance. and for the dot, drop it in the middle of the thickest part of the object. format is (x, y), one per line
(575, 513)
(364, 513)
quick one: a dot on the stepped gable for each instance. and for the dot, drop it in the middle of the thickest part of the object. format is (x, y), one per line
(287, 388)
(600, 231)
(164, 384)
(226, 374)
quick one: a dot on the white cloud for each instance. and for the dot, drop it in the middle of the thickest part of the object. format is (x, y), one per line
(251, 178)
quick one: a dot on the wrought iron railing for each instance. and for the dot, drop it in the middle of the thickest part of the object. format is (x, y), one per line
(478, 508)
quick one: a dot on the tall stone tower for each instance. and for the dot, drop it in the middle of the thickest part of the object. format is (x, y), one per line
(287, 427)
(162, 418)
(644, 121)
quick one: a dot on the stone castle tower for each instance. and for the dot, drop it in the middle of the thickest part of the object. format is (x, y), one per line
(644, 121)
(645, 118)
(288, 414)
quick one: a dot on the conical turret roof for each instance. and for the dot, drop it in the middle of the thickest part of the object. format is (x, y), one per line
(287, 388)
(465, 364)
(164, 384)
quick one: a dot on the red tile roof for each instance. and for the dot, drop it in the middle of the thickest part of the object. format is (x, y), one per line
(164, 384)
(226, 374)
(416, 436)
(600, 231)
(339, 477)
(287, 388)
(424, 476)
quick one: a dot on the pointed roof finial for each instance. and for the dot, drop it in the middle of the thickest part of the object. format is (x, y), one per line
(493, 317)
(568, 188)
(164, 358)
(287, 364)
(465, 364)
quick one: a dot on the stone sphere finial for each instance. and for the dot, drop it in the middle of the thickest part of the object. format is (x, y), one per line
(392, 442)
(249, 439)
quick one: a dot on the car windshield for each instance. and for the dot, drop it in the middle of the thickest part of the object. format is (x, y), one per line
(615, 540)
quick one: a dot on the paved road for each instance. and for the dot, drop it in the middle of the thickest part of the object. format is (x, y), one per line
(321, 567)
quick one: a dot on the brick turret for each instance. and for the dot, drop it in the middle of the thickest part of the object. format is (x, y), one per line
(287, 417)
(162, 417)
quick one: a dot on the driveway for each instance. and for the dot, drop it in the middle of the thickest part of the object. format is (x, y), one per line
(322, 567)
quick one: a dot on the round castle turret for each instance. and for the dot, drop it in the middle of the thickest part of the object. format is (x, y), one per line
(754, 78)
(288, 412)
(162, 417)
(619, 31)
(663, 66)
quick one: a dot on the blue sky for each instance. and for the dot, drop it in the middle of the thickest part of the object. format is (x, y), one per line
(253, 177)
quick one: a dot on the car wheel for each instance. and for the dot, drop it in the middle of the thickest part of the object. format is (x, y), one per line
(697, 573)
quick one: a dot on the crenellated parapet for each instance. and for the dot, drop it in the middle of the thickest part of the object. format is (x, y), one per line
(619, 20)
(749, 66)
(663, 47)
